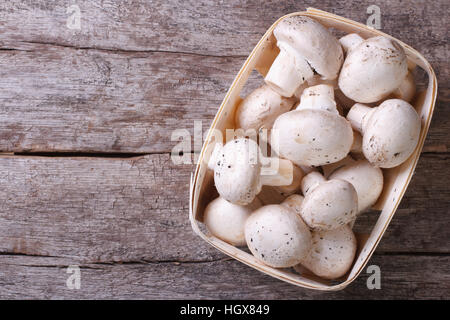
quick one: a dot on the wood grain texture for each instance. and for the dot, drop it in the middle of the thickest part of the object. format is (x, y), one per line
(62, 99)
(146, 68)
(98, 210)
(219, 28)
(119, 210)
(402, 277)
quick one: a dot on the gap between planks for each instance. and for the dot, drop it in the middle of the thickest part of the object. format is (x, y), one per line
(129, 155)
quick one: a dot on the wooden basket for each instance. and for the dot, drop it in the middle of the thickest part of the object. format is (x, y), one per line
(202, 189)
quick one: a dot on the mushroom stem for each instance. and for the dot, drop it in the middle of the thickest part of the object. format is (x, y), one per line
(314, 81)
(350, 40)
(277, 172)
(357, 143)
(311, 181)
(356, 116)
(297, 176)
(288, 72)
(319, 97)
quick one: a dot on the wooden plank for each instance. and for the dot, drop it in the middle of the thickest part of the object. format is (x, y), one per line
(67, 100)
(424, 210)
(61, 99)
(98, 209)
(106, 209)
(23, 277)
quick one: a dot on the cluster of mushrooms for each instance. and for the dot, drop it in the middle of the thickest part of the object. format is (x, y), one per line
(341, 112)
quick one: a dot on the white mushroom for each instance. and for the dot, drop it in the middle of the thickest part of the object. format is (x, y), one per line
(260, 109)
(332, 253)
(372, 69)
(226, 220)
(314, 134)
(294, 202)
(319, 97)
(350, 41)
(240, 170)
(304, 45)
(330, 168)
(328, 204)
(407, 88)
(277, 236)
(390, 131)
(366, 178)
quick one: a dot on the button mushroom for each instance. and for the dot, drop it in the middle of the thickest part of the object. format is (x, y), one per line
(407, 89)
(304, 45)
(327, 204)
(226, 220)
(372, 69)
(294, 202)
(332, 253)
(260, 109)
(366, 178)
(240, 170)
(277, 236)
(314, 134)
(390, 131)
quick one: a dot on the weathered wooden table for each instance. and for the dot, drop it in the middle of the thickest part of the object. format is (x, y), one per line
(85, 127)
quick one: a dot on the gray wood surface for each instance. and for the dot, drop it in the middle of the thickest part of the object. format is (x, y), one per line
(136, 71)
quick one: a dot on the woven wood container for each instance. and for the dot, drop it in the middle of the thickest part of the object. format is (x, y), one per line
(202, 189)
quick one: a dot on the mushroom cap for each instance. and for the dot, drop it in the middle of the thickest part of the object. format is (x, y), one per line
(332, 252)
(226, 220)
(312, 137)
(277, 236)
(391, 133)
(330, 205)
(260, 109)
(294, 202)
(313, 42)
(366, 178)
(373, 69)
(237, 171)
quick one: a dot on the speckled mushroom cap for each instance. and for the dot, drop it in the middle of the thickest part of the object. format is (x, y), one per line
(226, 220)
(294, 202)
(390, 133)
(312, 137)
(313, 42)
(329, 205)
(260, 109)
(237, 171)
(373, 69)
(332, 252)
(277, 236)
(365, 177)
